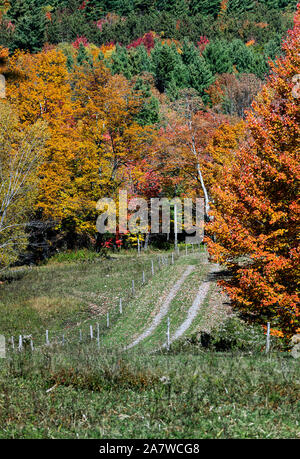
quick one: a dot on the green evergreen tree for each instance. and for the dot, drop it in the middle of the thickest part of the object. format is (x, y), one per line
(260, 66)
(189, 52)
(149, 112)
(70, 62)
(120, 62)
(242, 57)
(273, 48)
(205, 7)
(200, 76)
(217, 55)
(167, 66)
(83, 57)
(139, 60)
(29, 20)
(172, 90)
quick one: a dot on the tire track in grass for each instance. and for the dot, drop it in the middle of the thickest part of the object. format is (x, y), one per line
(164, 309)
(194, 309)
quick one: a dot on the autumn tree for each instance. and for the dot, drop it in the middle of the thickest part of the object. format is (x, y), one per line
(21, 154)
(182, 146)
(233, 94)
(256, 204)
(42, 91)
(109, 135)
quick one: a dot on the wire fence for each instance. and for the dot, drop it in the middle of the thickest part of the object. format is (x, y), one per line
(95, 330)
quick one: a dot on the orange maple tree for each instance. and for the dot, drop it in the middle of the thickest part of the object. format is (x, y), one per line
(256, 204)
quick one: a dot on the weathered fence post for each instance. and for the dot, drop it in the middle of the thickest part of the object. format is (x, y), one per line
(47, 338)
(91, 332)
(120, 306)
(138, 243)
(175, 226)
(98, 336)
(168, 334)
(20, 343)
(143, 277)
(152, 267)
(133, 290)
(107, 320)
(268, 338)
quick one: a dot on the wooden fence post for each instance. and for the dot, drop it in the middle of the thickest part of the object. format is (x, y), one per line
(175, 227)
(20, 343)
(98, 336)
(138, 243)
(168, 333)
(268, 338)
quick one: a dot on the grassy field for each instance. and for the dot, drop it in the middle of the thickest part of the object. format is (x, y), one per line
(229, 389)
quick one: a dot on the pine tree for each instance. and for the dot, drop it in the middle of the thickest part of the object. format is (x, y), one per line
(200, 76)
(205, 7)
(120, 62)
(189, 52)
(272, 49)
(217, 55)
(83, 56)
(242, 57)
(29, 20)
(139, 60)
(168, 66)
(149, 111)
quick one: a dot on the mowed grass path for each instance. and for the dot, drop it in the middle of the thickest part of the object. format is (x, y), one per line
(66, 297)
(140, 312)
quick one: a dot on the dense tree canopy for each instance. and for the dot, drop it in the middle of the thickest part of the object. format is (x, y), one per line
(256, 202)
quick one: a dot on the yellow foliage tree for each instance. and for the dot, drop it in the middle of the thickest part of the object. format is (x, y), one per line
(21, 154)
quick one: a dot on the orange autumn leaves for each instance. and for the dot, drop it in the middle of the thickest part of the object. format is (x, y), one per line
(256, 203)
(90, 115)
